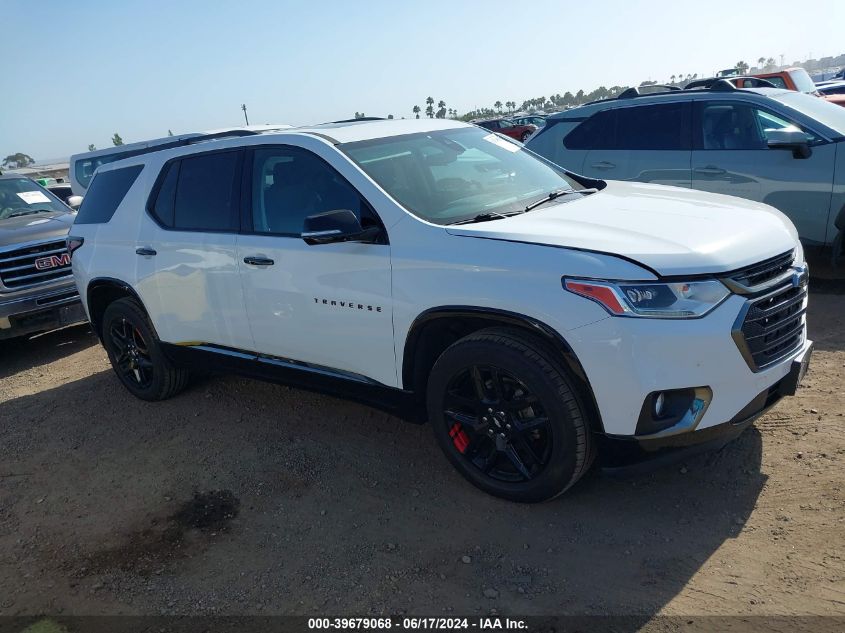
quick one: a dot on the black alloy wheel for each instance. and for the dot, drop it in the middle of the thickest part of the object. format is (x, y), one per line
(136, 355)
(497, 424)
(507, 415)
(132, 354)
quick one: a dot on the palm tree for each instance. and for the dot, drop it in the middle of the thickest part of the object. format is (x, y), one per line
(741, 68)
(498, 106)
(761, 61)
(416, 111)
(770, 63)
(429, 110)
(672, 79)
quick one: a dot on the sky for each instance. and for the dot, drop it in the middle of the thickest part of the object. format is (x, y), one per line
(74, 73)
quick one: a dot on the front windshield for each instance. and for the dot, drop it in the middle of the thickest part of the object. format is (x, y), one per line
(21, 196)
(452, 175)
(822, 110)
(802, 80)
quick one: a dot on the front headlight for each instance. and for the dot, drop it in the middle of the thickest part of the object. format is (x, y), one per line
(672, 300)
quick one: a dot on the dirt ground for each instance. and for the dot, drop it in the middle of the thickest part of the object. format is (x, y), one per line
(239, 497)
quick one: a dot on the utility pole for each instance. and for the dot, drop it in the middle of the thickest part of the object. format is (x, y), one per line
(246, 118)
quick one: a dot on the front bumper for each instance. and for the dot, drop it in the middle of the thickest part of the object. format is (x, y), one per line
(40, 311)
(622, 456)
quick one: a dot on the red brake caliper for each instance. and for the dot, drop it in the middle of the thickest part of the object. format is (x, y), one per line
(459, 438)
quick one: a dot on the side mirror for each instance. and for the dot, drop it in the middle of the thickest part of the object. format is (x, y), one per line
(790, 138)
(340, 225)
(74, 202)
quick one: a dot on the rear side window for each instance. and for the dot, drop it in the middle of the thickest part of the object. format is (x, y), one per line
(597, 132)
(105, 194)
(654, 127)
(199, 193)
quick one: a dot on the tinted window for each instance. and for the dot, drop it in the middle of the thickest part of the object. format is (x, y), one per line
(163, 208)
(778, 82)
(84, 169)
(737, 126)
(290, 184)
(653, 127)
(597, 132)
(105, 194)
(205, 193)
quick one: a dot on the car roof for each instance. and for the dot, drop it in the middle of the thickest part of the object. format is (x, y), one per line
(336, 133)
(351, 131)
(588, 108)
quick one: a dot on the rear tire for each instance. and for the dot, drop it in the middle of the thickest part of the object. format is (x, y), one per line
(508, 416)
(136, 355)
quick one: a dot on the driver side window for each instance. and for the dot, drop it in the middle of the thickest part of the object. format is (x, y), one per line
(290, 184)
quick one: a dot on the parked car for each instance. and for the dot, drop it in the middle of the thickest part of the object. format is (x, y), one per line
(780, 147)
(831, 88)
(537, 120)
(534, 318)
(504, 126)
(833, 91)
(64, 192)
(789, 79)
(37, 292)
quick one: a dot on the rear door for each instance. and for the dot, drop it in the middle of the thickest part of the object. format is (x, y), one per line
(731, 156)
(187, 263)
(328, 306)
(645, 143)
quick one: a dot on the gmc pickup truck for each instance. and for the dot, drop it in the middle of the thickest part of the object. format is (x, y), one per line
(37, 292)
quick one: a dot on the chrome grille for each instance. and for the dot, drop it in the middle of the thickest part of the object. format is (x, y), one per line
(759, 277)
(772, 326)
(18, 268)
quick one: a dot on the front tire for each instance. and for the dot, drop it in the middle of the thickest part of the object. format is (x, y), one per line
(508, 417)
(136, 355)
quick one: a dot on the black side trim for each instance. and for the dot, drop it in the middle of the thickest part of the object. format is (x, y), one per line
(503, 317)
(222, 360)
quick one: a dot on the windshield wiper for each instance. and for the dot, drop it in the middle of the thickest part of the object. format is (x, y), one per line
(28, 212)
(557, 193)
(484, 217)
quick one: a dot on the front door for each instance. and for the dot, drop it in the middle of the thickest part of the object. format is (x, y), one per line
(327, 305)
(732, 157)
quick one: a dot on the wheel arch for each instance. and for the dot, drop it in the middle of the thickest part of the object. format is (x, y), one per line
(100, 293)
(437, 328)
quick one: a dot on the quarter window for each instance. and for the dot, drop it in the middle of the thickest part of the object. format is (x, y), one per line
(289, 184)
(105, 194)
(597, 132)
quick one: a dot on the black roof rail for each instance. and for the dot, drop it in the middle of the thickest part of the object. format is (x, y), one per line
(182, 142)
(216, 135)
(361, 118)
(719, 83)
(638, 91)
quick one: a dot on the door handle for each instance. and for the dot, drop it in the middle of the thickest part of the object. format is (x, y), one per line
(604, 164)
(710, 170)
(258, 261)
(145, 251)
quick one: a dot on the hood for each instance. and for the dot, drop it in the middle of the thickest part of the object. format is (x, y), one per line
(31, 228)
(673, 231)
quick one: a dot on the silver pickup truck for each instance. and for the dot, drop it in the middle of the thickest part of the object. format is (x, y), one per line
(37, 292)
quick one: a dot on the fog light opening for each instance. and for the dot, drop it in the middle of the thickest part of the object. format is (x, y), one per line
(659, 405)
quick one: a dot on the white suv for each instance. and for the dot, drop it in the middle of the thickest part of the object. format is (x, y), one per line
(534, 317)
